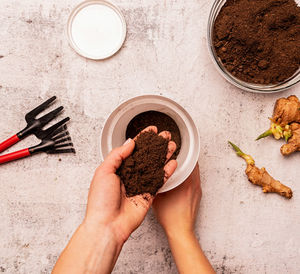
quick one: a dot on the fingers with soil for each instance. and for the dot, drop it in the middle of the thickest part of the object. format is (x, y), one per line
(114, 159)
(169, 169)
(171, 149)
(165, 134)
(147, 129)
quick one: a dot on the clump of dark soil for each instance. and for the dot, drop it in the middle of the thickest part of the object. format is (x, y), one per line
(143, 171)
(258, 41)
(158, 119)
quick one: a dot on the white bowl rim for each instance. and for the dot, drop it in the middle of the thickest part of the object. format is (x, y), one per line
(190, 118)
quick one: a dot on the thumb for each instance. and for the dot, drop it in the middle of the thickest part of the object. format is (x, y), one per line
(114, 159)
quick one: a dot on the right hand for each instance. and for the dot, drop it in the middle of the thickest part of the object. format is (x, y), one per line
(176, 210)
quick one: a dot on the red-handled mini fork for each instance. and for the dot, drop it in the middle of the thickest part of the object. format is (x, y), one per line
(9, 142)
(34, 126)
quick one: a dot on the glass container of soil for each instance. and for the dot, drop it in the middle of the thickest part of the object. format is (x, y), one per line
(246, 58)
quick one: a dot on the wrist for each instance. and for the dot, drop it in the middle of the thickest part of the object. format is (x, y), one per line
(98, 231)
(183, 231)
(92, 249)
(180, 235)
(188, 254)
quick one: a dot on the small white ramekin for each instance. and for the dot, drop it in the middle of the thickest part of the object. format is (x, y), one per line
(113, 132)
(84, 52)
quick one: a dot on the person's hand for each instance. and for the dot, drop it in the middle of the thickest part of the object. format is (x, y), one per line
(108, 205)
(111, 216)
(177, 209)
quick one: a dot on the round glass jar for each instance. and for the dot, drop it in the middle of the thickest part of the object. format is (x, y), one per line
(270, 88)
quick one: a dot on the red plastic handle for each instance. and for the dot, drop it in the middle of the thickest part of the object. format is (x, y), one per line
(14, 155)
(9, 142)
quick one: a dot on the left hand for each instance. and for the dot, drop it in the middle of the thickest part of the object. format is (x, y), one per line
(108, 205)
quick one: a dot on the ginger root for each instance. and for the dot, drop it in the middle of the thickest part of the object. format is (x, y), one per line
(261, 177)
(293, 142)
(286, 111)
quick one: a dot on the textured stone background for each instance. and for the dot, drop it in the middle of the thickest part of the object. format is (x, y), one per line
(42, 199)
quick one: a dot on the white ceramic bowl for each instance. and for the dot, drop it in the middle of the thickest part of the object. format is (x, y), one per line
(113, 132)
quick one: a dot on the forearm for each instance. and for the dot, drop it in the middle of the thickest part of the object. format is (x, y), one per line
(188, 255)
(90, 250)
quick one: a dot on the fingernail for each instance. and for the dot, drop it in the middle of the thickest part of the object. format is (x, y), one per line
(127, 141)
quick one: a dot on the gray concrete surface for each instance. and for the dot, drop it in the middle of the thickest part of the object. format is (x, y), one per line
(42, 199)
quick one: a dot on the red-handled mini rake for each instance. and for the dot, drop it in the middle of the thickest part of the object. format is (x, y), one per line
(58, 141)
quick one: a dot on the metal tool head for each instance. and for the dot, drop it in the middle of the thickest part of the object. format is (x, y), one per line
(62, 141)
(63, 146)
(30, 116)
(35, 125)
(57, 141)
(43, 133)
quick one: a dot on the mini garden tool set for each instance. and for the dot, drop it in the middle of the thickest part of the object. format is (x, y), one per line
(55, 139)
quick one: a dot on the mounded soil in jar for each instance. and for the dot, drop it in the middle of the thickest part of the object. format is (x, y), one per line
(258, 41)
